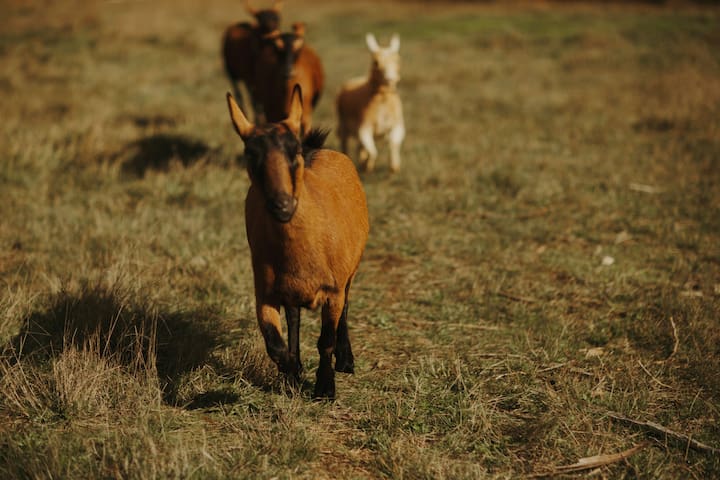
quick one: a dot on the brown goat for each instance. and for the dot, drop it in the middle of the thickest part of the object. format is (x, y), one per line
(285, 61)
(307, 224)
(241, 47)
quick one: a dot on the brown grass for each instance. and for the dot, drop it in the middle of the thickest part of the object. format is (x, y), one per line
(549, 255)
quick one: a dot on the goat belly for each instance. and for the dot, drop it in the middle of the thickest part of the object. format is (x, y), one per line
(299, 292)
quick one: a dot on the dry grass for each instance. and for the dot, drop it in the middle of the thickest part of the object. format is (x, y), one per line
(549, 255)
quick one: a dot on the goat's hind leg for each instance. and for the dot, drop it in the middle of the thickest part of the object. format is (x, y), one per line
(331, 313)
(344, 359)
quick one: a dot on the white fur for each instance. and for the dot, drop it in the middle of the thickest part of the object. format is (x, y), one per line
(371, 107)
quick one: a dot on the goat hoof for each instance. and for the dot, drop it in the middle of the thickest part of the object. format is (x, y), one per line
(324, 392)
(291, 368)
(295, 377)
(344, 363)
(325, 383)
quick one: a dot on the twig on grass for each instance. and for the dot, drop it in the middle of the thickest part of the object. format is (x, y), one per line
(657, 428)
(676, 340)
(591, 462)
(640, 187)
(496, 355)
(653, 376)
(552, 367)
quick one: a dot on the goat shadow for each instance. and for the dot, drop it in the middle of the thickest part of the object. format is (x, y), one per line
(259, 374)
(121, 327)
(157, 151)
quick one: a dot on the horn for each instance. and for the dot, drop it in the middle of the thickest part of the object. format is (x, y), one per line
(242, 126)
(294, 120)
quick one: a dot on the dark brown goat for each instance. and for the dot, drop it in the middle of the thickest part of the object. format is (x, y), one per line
(241, 46)
(285, 61)
(307, 224)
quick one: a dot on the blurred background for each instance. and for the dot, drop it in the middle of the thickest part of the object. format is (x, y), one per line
(547, 257)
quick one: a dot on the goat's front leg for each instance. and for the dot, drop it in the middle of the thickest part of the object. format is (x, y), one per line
(397, 135)
(367, 141)
(292, 315)
(331, 313)
(269, 322)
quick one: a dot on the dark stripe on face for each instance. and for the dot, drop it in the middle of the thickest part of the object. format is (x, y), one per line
(273, 138)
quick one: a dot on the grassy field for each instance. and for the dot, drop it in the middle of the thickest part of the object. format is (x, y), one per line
(547, 259)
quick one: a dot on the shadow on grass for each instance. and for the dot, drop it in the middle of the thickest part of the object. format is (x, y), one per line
(213, 398)
(267, 382)
(252, 366)
(117, 326)
(156, 152)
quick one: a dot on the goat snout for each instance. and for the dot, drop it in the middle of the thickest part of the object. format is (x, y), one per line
(282, 207)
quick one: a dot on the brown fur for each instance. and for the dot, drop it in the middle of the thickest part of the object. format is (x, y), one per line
(241, 46)
(307, 228)
(273, 84)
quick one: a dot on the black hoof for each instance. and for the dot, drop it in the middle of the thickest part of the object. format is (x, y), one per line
(344, 362)
(325, 384)
(291, 368)
(324, 392)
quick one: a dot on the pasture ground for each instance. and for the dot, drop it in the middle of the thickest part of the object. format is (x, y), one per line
(548, 256)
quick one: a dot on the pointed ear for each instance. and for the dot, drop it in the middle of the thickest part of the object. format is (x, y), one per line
(299, 29)
(395, 43)
(242, 126)
(294, 120)
(371, 43)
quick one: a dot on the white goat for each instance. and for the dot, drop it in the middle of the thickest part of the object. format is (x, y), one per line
(370, 106)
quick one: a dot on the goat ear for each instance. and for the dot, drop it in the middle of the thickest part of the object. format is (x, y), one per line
(294, 120)
(299, 29)
(242, 126)
(277, 6)
(297, 44)
(371, 43)
(249, 8)
(395, 43)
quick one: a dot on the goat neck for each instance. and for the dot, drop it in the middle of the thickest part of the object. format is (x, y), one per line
(380, 84)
